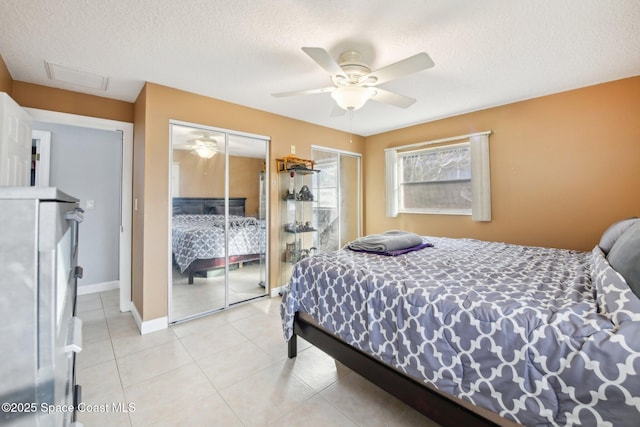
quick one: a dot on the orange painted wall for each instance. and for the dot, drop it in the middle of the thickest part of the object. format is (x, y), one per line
(563, 168)
(6, 82)
(205, 177)
(65, 101)
(161, 104)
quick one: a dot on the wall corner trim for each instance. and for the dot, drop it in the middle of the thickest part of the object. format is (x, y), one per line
(149, 326)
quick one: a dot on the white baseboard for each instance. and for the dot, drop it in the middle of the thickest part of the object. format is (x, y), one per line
(150, 325)
(98, 287)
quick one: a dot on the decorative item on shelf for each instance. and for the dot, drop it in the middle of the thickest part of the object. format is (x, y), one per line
(290, 162)
(290, 252)
(305, 253)
(288, 195)
(291, 256)
(299, 227)
(305, 194)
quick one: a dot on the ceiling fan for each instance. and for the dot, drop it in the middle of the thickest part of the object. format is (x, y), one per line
(204, 146)
(355, 83)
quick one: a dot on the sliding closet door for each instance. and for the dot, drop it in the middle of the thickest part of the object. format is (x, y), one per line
(218, 219)
(197, 233)
(247, 225)
(338, 187)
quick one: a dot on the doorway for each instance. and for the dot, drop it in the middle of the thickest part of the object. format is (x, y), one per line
(339, 197)
(119, 195)
(218, 219)
(41, 158)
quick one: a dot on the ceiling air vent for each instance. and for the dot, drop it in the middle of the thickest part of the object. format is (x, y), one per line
(62, 74)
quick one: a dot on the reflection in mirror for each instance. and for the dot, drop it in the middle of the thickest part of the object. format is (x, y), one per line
(218, 229)
(338, 189)
(247, 228)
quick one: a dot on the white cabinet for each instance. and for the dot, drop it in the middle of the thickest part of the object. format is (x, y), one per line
(15, 143)
(38, 285)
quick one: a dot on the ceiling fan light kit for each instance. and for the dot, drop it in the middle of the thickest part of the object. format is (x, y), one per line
(204, 147)
(351, 98)
(354, 81)
(205, 152)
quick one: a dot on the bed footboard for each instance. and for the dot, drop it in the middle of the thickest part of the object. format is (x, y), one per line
(429, 402)
(207, 264)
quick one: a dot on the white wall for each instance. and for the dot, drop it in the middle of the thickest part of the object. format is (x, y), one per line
(86, 163)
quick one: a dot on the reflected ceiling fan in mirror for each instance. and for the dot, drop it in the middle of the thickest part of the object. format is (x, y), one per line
(204, 146)
(355, 83)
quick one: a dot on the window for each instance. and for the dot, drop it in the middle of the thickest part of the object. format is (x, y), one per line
(435, 180)
(452, 178)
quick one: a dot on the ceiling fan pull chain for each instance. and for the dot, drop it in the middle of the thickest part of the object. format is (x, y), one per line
(350, 126)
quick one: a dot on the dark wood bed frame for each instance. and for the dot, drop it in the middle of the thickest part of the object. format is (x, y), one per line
(200, 265)
(208, 206)
(446, 411)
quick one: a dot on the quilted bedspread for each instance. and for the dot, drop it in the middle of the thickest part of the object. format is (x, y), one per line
(202, 237)
(540, 336)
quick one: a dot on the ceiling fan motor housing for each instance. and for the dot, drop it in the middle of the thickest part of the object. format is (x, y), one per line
(353, 67)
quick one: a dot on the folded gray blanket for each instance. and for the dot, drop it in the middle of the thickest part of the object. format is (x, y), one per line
(388, 241)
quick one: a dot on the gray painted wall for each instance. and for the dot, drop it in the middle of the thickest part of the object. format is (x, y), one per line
(86, 163)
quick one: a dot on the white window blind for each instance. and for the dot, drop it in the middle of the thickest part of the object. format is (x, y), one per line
(435, 180)
(452, 178)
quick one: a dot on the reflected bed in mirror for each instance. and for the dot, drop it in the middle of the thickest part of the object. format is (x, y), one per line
(218, 215)
(198, 234)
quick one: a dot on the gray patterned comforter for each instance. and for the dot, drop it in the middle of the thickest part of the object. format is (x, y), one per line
(202, 237)
(540, 336)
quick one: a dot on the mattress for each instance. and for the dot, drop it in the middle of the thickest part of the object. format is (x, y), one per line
(540, 336)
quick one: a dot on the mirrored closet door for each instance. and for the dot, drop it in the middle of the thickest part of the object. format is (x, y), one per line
(339, 197)
(218, 219)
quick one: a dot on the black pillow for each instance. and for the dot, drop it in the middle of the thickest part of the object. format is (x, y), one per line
(624, 257)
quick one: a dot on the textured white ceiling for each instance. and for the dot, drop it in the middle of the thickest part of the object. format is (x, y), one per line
(487, 53)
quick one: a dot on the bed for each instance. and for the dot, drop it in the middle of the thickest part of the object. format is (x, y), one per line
(470, 332)
(197, 234)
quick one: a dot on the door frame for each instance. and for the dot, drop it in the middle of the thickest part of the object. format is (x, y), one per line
(126, 191)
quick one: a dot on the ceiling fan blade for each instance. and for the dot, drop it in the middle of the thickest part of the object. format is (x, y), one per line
(392, 98)
(304, 92)
(418, 62)
(324, 60)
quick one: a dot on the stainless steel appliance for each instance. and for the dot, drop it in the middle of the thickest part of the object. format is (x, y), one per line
(40, 334)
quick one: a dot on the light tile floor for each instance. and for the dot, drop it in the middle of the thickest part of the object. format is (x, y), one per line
(209, 292)
(226, 369)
